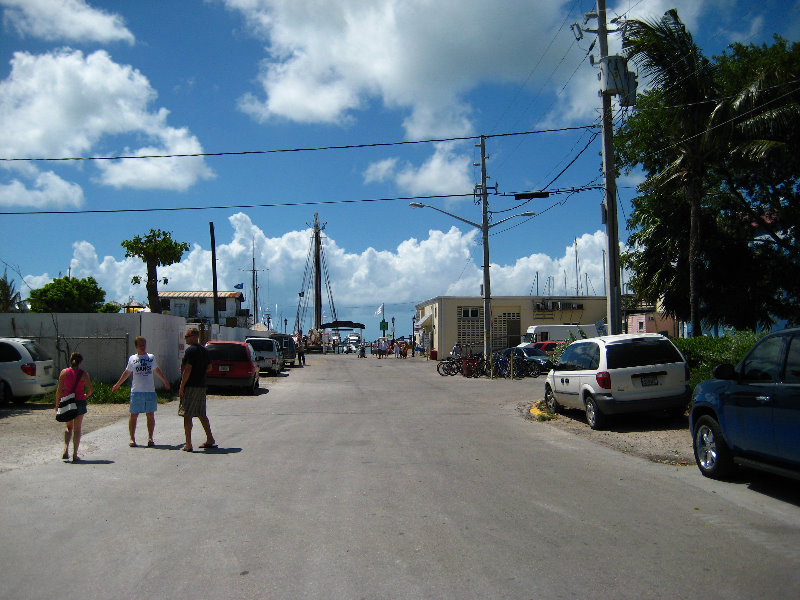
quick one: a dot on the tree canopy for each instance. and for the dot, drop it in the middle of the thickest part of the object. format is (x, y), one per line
(714, 226)
(68, 295)
(9, 296)
(156, 249)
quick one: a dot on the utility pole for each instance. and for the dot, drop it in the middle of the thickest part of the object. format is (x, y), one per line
(615, 79)
(214, 272)
(487, 286)
(613, 292)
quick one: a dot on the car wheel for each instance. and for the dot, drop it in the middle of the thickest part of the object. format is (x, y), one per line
(550, 400)
(594, 417)
(711, 453)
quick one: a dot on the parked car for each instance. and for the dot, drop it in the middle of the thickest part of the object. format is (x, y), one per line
(268, 354)
(547, 347)
(288, 347)
(616, 374)
(538, 360)
(25, 370)
(232, 364)
(749, 415)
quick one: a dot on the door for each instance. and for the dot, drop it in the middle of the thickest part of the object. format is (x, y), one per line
(752, 400)
(786, 411)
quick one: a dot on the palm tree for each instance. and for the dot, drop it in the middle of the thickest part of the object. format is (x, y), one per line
(9, 296)
(666, 53)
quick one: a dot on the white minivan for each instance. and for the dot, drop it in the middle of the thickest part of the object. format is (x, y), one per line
(616, 374)
(267, 354)
(25, 370)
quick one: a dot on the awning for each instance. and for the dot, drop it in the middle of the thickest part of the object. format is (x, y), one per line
(342, 325)
(424, 320)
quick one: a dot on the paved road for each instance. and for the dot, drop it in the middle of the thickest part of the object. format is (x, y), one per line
(359, 478)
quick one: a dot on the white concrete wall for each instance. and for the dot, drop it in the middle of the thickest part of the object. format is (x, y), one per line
(106, 340)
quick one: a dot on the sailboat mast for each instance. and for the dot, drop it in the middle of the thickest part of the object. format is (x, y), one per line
(317, 274)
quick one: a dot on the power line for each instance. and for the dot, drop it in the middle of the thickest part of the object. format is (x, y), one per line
(227, 206)
(291, 150)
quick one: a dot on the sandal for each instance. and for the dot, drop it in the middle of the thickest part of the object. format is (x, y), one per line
(187, 449)
(132, 444)
(208, 445)
(150, 443)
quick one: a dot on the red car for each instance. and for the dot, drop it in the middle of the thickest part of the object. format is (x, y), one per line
(232, 364)
(548, 347)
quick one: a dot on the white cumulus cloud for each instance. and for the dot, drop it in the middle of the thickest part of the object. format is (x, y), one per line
(64, 20)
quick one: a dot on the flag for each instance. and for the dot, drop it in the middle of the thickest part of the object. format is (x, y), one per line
(239, 286)
(379, 311)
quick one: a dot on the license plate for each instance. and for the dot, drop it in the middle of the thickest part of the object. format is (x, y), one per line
(648, 380)
(224, 368)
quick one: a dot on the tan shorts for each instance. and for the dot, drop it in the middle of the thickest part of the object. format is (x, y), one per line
(193, 403)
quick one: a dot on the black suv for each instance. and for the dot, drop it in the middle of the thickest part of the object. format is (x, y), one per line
(750, 415)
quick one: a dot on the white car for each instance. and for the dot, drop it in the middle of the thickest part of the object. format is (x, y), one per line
(616, 374)
(25, 370)
(267, 354)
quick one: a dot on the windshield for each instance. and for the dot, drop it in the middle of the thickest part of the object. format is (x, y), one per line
(642, 352)
(227, 352)
(36, 352)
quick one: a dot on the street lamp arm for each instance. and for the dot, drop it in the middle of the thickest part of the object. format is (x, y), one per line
(524, 214)
(420, 205)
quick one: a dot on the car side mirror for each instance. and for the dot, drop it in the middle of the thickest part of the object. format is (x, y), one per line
(725, 371)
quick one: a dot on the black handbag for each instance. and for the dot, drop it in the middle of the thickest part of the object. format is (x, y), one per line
(67, 407)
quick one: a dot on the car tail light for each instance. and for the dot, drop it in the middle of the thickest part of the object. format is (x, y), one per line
(604, 380)
(29, 369)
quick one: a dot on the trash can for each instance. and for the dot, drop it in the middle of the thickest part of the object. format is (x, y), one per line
(433, 354)
(466, 367)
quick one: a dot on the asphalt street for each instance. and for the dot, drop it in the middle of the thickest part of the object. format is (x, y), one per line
(360, 478)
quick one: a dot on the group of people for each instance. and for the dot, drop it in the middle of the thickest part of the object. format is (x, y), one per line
(384, 348)
(143, 367)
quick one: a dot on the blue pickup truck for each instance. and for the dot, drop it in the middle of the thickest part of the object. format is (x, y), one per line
(749, 415)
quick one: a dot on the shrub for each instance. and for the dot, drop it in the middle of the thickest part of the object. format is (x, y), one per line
(705, 353)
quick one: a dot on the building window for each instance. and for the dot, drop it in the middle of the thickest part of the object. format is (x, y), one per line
(469, 328)
(470, 312)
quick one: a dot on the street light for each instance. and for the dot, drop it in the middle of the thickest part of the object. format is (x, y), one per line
(487, 293)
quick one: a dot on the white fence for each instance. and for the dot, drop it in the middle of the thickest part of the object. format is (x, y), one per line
(106, 340)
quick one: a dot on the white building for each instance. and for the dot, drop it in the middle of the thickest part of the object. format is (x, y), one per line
(198, 307)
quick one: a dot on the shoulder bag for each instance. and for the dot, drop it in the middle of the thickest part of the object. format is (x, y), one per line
(67, 408)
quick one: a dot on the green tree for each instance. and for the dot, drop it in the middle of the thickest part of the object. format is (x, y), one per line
(686, 83)
(9, 296)
(68, 295)
(156, 249)
(749, 211)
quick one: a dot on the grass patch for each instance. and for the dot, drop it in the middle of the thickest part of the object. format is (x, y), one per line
(104, 395)
(540, 412)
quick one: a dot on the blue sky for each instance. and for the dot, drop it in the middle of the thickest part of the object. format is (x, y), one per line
(92, 79)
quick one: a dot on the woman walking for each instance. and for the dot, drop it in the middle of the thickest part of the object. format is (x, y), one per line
(73, 379)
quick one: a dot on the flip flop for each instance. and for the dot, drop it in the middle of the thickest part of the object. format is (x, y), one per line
(187, 449)
(132, 444)
(207, 445)
(150, 444)
(65, 456)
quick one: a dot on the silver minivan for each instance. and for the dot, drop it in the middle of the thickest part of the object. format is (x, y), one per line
(25, 370)
(268, 354)
(616, 374)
